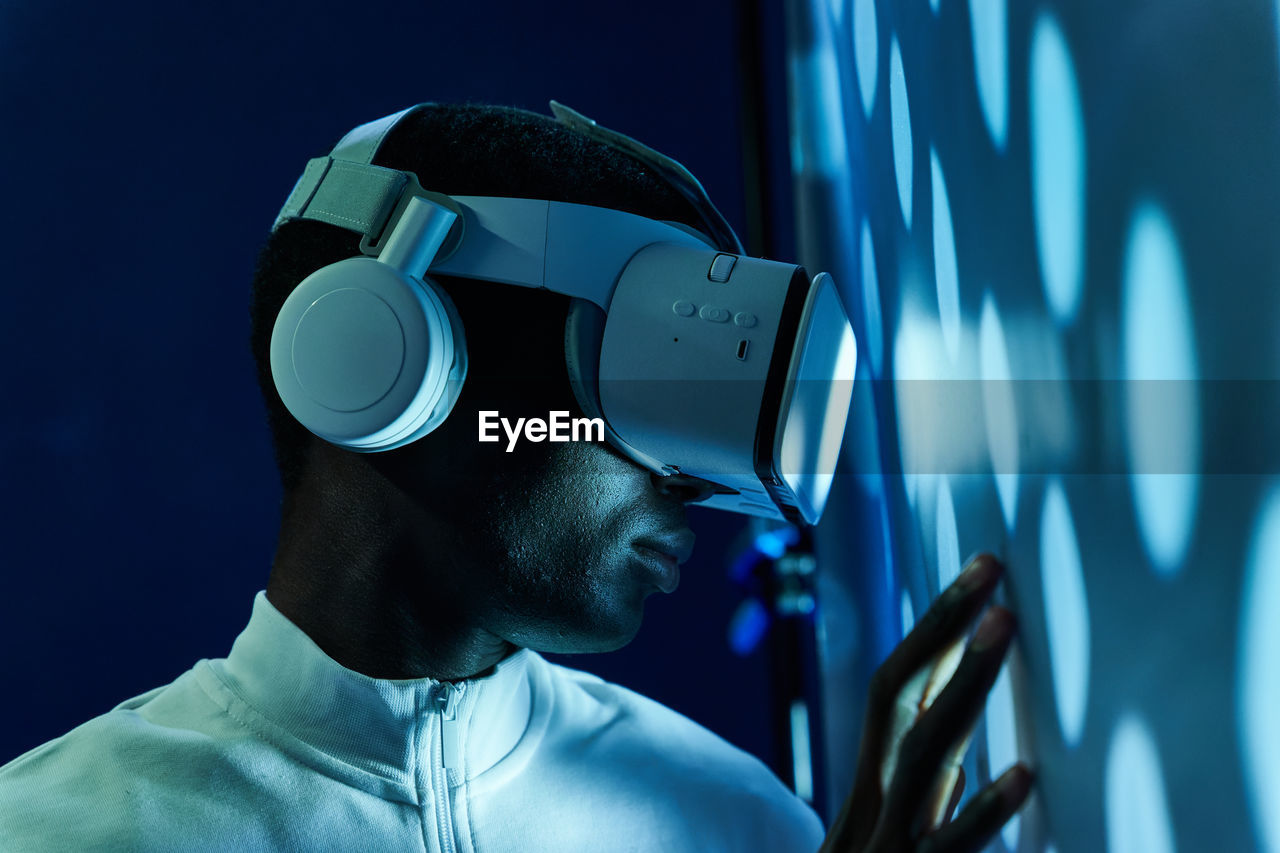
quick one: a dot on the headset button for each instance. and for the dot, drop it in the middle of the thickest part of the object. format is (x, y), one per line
(715, 315)
(683, 308)
(721, 267)
(745, 320)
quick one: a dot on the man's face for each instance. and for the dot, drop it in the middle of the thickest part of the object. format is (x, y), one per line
(545, 546)
(565, 532)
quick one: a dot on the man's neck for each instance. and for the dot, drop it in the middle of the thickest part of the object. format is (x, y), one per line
(359, 584)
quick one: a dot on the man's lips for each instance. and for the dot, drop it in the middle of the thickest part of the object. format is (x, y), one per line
(663, 569)
(677, 545)
(664, 554)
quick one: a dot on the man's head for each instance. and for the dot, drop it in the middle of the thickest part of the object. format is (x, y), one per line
(541, 543)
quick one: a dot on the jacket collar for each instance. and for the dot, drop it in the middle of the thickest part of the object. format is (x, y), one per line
(389, 727)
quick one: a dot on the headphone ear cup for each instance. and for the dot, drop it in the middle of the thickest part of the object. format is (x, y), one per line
(583, 336)
(367, 357)
(456, 376)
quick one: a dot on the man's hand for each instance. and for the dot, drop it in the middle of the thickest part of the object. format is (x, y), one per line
(898, 816)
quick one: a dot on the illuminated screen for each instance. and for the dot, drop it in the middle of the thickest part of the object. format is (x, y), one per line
(1054, 226)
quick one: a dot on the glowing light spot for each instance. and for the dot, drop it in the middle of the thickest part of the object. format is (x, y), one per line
(1137, 813)
(900, 119)
(948, 537)
(871, 301)
(774, 543)
(1163, 425)
(908, 614)
(820, 145)
(944, 261)
(1066, 611)
(1057, 168)
(866, 51)
(988, 21)
(1258, 684)
(1001, 413)
(1002, 740)
(917, 355)
(747, 626)
(801, 757)
(934, 4)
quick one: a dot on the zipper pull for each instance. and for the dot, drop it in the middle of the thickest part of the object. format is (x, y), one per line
(447, 703)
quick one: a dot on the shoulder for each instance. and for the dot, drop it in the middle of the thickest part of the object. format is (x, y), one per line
(67, 792)
(701, 771)
(95, 785)
(594, 703)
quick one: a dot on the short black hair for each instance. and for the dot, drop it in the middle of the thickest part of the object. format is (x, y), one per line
(463, 150)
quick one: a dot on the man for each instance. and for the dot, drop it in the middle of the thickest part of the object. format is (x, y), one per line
(388, 692)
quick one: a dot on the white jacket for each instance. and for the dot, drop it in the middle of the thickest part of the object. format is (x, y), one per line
(279, 747)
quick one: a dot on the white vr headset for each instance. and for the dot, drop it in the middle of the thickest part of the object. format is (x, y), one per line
(699, 360)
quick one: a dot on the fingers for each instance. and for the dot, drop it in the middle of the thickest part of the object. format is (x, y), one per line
(946, 620)
(926, 748)
(956, 793)
(940, 626)
(983, 817)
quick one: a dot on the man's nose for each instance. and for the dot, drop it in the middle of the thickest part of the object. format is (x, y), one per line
(683, 487)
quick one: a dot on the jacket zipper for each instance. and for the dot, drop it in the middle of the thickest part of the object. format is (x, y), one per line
(447, 698)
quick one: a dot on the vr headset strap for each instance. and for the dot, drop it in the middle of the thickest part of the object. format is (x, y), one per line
(344, 189)
(531, 243)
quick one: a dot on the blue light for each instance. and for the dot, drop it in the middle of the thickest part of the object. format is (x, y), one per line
(1258, 679)
(818, 144)
(1002, 741)
(988, 22)
(1163, 417)
(873, 321)
(900, 119)
(944, 261)
(748, 626)
(866, 51)
(801, 756)
(948, 536)
(1001, 412)
(1057, 168)
(920, 361)
(1066, 612)
(1136, 809)
(774, 543)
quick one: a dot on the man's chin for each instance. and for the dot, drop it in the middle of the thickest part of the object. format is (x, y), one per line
(587, 640)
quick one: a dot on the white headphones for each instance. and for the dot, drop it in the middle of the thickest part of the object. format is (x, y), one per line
(368, 353)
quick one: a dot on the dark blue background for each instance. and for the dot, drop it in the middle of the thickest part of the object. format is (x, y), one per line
(147, 148)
